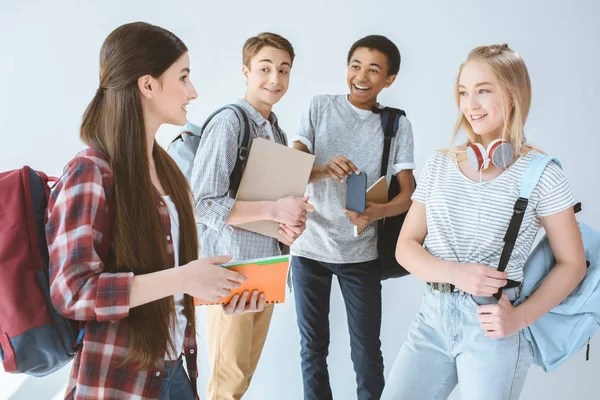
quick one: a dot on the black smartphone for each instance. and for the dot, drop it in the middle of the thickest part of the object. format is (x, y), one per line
(356, 192)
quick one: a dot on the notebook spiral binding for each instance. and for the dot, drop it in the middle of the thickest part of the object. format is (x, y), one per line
(370, 226)
(266, 302)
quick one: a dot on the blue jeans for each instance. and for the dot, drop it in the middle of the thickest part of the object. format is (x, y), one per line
(176, 384)
(446, 345)
(361, 288)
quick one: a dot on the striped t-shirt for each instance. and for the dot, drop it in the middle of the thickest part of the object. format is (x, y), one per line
(467, 221)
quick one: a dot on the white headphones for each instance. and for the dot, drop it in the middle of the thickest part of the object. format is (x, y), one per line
(500, 153)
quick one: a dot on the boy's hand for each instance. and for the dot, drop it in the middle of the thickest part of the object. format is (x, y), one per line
(372, 213)
(339, 167)
(291, 211)
(289, 234)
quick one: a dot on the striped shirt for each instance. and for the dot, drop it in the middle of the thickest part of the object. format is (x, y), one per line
(467, 221)
(214, 162)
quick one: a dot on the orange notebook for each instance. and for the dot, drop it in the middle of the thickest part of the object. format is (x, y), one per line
(267, 275)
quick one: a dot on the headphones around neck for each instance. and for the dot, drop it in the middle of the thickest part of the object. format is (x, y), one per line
(500, 153)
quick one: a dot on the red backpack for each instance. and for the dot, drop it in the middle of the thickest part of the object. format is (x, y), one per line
(34, 338)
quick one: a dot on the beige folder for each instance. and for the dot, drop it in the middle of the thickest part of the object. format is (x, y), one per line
(273, 171)
(377, 193)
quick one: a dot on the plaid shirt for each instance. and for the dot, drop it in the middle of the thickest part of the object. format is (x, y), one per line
(81, 290)
(214, 162)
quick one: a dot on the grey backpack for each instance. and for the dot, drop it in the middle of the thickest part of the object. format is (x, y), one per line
(183, 148)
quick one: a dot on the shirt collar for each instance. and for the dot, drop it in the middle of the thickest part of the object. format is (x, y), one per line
(255, 115)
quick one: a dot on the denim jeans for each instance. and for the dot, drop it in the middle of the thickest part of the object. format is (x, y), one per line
(360, 284)
(446, 345)
(176, 384)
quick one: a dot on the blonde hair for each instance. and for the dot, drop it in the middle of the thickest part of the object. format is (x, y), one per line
(256, 43)
(512, 77)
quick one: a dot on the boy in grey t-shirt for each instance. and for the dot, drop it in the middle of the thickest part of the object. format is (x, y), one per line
(346, 137)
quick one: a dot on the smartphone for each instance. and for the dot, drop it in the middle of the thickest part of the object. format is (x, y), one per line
(356, 192)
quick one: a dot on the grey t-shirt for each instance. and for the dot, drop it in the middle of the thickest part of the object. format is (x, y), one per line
(332, 127)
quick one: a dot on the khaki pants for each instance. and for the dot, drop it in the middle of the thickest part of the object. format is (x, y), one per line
(235, 343)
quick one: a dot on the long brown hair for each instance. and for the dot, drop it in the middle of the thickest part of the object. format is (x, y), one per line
(114, 123)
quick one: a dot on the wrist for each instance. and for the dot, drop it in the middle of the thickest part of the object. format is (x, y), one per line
(379, 211)
(522, 317)
(269, 211)
(449, 272)
(319, 172)
(180, 280)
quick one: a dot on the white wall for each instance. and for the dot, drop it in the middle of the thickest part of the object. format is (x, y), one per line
(49, 72)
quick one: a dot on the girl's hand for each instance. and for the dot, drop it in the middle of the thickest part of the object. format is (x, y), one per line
(238, 304)
(477, 279)
(500, 320)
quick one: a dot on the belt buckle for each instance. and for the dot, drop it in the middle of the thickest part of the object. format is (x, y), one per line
(441, 287)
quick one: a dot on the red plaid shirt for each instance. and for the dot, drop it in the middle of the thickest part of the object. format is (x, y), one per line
(81, 290)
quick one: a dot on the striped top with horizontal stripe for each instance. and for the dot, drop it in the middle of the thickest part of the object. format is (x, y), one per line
(467, 221)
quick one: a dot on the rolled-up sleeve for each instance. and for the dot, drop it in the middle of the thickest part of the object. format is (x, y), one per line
(306, 134)
(213, 164)
(405, 147)
(79, 287)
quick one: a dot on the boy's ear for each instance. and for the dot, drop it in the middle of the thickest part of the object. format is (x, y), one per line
(245, 71)
(389, 80)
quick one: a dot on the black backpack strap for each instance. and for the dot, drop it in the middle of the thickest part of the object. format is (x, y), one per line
(510, 237)
(390, 118)
(243, 151)
(389, 228)
(243, 145)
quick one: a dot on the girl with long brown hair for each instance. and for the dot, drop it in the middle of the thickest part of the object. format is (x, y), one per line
(120, 220)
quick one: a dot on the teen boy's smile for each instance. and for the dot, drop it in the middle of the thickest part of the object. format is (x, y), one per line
(367, 76)
(267, 78)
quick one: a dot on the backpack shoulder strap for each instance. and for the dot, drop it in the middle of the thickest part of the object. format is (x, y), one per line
(244, 138)
(190, 129)
(243, 145)
(530, 179)
(193, 129)
(534, 172)
(390, 118)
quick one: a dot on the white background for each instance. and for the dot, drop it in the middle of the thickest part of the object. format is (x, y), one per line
(49, 72)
